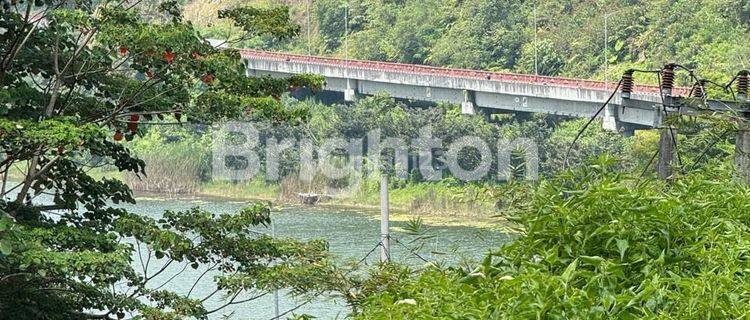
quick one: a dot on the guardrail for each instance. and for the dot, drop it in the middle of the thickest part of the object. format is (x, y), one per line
(449, 72)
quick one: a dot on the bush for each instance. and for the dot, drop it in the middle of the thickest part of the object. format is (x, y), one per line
(597, 244)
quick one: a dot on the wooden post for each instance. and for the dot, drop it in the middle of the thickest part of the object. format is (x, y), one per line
(385, 237)
(666, 153)
(742, 155)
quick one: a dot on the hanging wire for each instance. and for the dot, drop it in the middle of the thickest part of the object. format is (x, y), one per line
(409, 250)
(727, 88)
(312, 298)
(580, 132)
(355, 267)
(648, 165)
(708, 148)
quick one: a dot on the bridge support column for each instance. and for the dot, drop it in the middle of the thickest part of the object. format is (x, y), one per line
(609, 121)
(468, 105)
(350, 94)
(666, 154)
(742, 154)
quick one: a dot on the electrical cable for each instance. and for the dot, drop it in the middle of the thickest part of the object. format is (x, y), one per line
(580, 132)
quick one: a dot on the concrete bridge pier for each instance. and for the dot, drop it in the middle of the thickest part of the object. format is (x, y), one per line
(350, 93)
(468, 106)
(609, 120)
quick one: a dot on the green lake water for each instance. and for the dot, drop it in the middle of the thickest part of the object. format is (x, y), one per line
(351, 234)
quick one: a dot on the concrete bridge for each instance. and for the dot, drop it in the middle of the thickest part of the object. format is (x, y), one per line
(490, 91)
(638, 107)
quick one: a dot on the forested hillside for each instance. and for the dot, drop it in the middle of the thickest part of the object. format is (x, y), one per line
(500, 35)
(102, 98)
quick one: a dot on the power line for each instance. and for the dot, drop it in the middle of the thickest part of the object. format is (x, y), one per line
(580, 132)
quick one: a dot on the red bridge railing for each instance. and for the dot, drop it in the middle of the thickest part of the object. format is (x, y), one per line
(448, 72)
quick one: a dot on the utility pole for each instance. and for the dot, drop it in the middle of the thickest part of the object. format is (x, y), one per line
(742, 154)
(606, 47)
(667, 134)
(385, 237)
(666, 154)
(346, 34)
(536, 58)
(349, 93)
(276, 292)
(309, 47)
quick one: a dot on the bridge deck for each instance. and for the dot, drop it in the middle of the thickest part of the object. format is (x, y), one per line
(449, 72)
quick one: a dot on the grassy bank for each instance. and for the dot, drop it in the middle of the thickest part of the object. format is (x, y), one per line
(438, 204)
(470, 201)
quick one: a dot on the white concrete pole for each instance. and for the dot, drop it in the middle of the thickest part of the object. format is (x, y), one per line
(346, 34)
(349, 94)
(276, 292)
(536, 64)
(309, 46)
(606, 47)
(385, 252)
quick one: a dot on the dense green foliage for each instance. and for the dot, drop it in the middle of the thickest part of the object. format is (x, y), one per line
(189, 157)
(595, 244)
(76, 77)
(180, 156)
(499, 35)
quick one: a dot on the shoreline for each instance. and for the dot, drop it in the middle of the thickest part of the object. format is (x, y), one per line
(491, 221)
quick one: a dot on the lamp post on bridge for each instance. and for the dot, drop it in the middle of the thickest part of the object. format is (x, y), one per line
(536, 43)
(349, 93)
(606, 50)
(309, 46)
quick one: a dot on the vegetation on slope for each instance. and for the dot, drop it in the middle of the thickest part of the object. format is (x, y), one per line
(596, 244)
(76, 79)
(500, 35)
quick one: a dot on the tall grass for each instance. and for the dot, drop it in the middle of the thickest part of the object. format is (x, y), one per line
(176, 163)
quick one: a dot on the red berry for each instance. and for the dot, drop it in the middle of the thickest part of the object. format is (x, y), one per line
(134, 118)
(123, 50)
(195, 55)
(60, 150)
(169, 56)
(118, 136)
(207, 78)
(150, 74)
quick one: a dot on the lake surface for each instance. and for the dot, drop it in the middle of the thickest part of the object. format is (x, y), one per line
(351, 234)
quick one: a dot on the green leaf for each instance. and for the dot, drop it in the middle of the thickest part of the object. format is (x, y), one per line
(567, 275)
(592, 260)
(619, 44)
(622, 246)
(6, 248)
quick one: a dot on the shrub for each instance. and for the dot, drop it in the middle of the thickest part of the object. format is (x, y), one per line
(595, 244)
